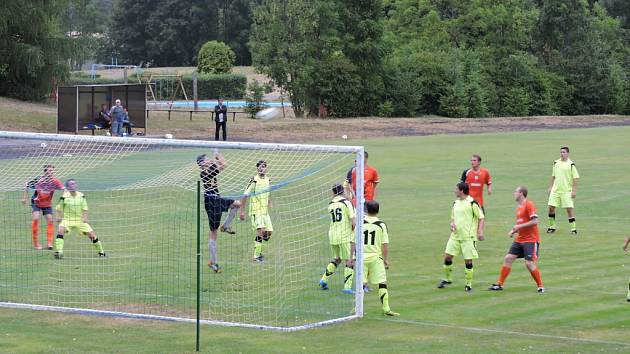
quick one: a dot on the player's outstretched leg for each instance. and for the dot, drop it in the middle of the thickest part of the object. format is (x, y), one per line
(227, 225)
(59, 244)
(383, 294)
(328, 272)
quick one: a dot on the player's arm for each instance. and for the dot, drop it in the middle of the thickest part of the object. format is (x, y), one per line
(25, 194)
(533, 221)
(59, 210)
(377, 180)
(482, 221)
(574, 189)
(84, 207)
(221, 162)
(453, 226)
(385, 252)
(489, 183)
(245, 197)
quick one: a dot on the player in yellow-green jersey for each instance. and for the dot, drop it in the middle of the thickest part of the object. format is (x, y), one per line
(72, 214)
(563, 189)
(257, 193)
(467, 220)
(340, 234)
(375, 254)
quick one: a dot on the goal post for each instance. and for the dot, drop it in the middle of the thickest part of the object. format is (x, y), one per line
(142, 205)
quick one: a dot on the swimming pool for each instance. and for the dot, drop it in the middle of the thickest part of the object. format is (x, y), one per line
(212, 103)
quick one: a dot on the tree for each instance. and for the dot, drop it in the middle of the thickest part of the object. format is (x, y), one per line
(34, 50)
(215, 58)
(161, 32)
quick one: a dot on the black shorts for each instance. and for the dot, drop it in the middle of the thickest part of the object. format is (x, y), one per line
(527, 250)
(215, 206)
(45, 211)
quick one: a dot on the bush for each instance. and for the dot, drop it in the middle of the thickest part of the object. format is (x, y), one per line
(385, 109)
(254, 98)
(215, 58)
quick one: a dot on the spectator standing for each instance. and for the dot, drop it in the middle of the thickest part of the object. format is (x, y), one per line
(220, 118)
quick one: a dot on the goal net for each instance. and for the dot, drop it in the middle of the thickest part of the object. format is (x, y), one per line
(144, 208)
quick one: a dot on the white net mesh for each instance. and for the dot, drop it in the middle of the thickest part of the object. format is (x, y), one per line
(142, 199)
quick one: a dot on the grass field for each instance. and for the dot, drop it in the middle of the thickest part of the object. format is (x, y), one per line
(584, 309)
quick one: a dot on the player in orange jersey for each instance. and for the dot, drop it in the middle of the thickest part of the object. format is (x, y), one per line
(41, 203)
(526, 243)
(370, 180)
(476, 177)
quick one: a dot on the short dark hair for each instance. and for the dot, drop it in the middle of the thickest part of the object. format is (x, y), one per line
(201, 158)
(260, 163)
(372, 207)
(47, 167)
(463, 186)
(565, 148)
(70, 180)
(477, 157)
(523, 190)
(337, 189)
(365, 154)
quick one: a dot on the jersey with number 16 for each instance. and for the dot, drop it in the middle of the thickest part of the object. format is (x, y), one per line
(341, 214)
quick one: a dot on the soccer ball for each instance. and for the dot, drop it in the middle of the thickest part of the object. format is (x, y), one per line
(268, 114)
(344, 137)
(168, 136)
(43, 145)
(108, 133)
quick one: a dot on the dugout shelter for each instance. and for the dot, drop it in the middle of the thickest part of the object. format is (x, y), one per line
(78, 106)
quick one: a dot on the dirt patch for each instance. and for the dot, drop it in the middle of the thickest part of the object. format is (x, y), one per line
(309, 130)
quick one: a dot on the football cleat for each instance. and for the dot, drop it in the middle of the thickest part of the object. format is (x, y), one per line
(574, 232)
(348, 291)
(551, 230)
(468, 289)
(102, 254)
(215, 267)
(391, 313)
(495, 287)
(58, 255)
(227, 230)
(366, 289)
(541, 290)
(259, 259)
(323, 285)
(37, 246)
(49, 247)
(443, 284)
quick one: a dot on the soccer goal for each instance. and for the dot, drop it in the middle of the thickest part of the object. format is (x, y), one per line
(145, 205)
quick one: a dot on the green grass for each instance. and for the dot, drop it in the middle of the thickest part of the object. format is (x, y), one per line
(584, 309)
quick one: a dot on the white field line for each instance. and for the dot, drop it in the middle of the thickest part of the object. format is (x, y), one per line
(499, 331)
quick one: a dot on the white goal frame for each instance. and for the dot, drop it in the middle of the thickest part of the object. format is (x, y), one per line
(358, 270)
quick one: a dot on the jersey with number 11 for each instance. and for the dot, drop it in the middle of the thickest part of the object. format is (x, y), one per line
(374, 235)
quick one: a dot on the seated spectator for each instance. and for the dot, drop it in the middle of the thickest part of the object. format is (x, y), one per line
(104, 120)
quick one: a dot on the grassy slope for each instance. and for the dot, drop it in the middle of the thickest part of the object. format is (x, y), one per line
(584, 309)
